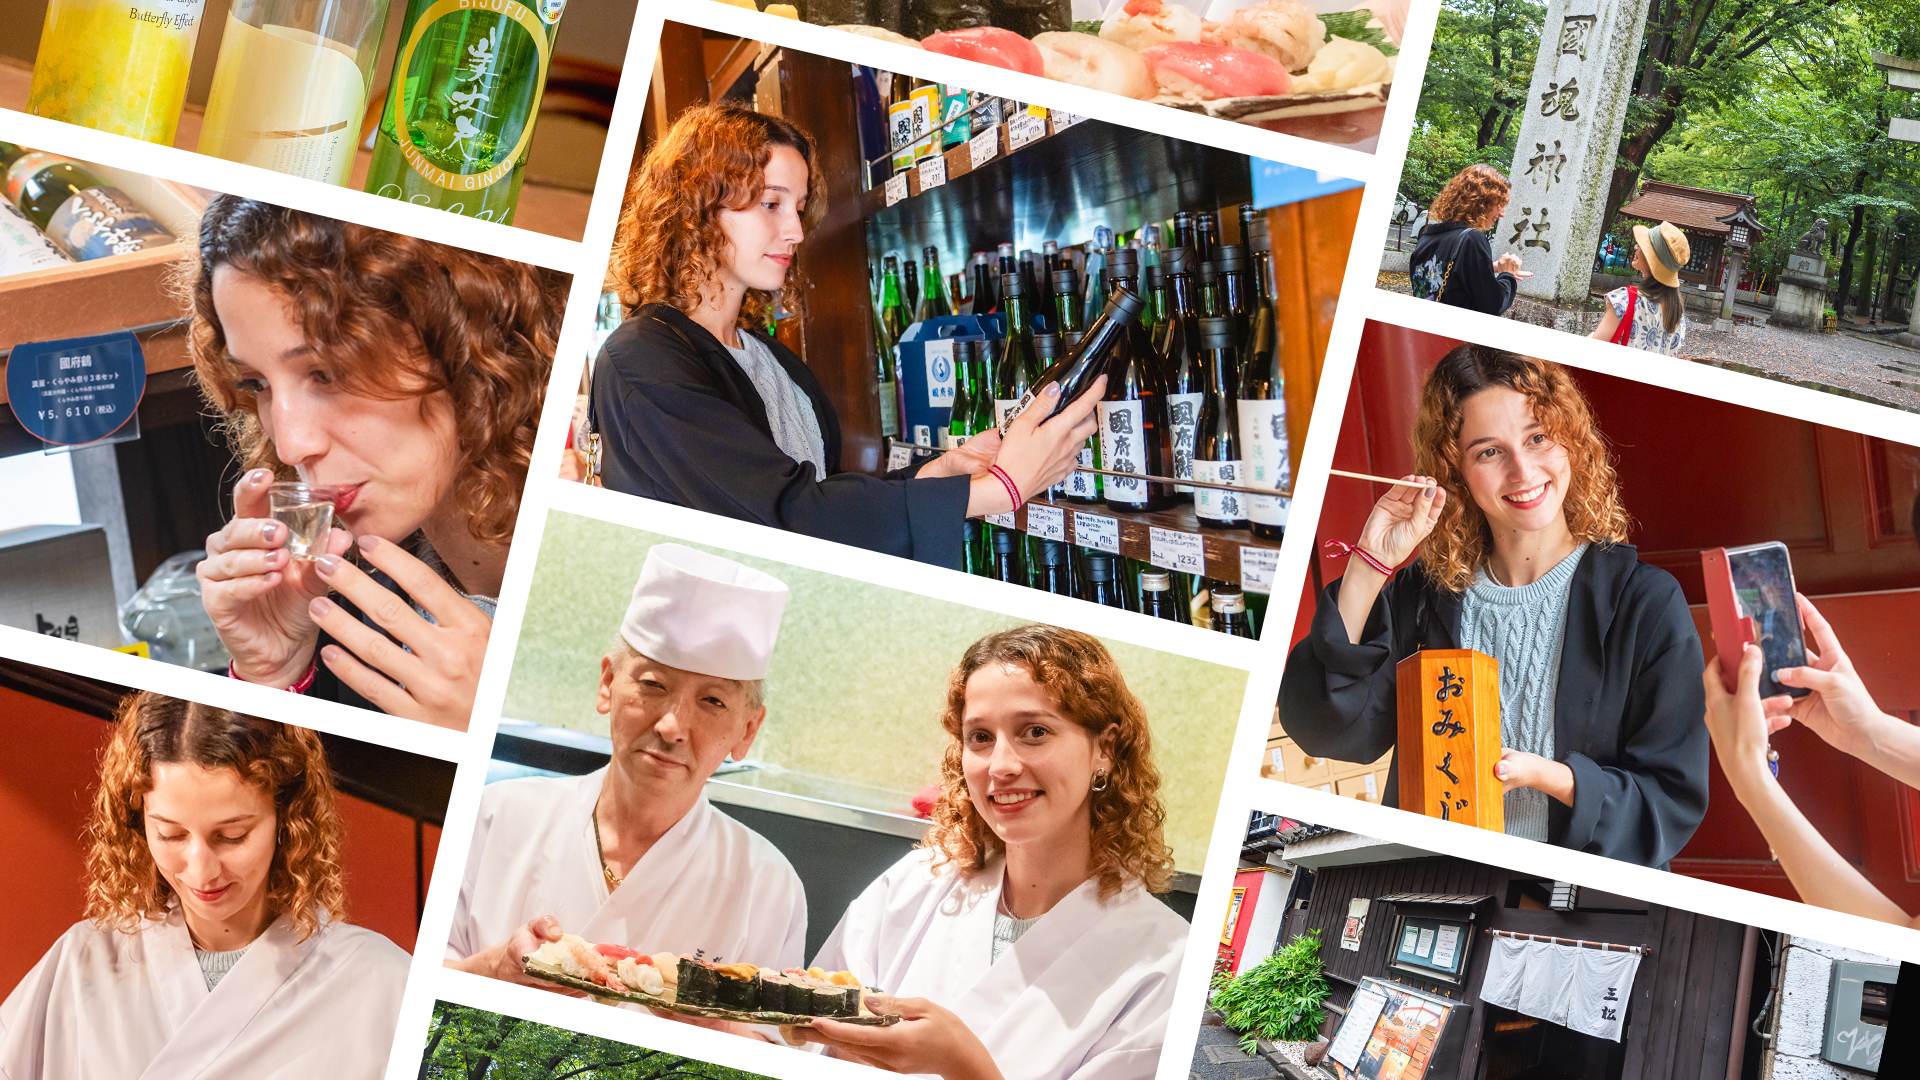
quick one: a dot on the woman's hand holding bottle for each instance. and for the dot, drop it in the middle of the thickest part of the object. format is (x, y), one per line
(1038, 450)
(256, 594)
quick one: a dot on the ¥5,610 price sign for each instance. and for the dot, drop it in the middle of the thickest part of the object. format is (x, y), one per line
(77, 390)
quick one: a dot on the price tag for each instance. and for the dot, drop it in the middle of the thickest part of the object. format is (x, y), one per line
(1047, 522)
(1257, 565)
(984, 147)
(1005, 520)
(1096, 531)
(1171, 549)
(933, 172)
(1064, 120)
(896, 188)
(1024, 128)
(899, 456)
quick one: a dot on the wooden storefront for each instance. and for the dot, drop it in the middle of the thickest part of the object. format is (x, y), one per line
(1685, 1013)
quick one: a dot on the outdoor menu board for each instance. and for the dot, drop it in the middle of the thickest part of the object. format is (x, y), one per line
(1398, 1032)
(1433, 947)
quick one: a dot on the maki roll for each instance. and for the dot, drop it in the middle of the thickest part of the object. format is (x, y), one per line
(775, 992)
(698, 983)
(736, 986)
(835, 1001)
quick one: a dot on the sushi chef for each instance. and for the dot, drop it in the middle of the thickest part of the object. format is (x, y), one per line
(214, 942)
(1023, 938)
(634, 854)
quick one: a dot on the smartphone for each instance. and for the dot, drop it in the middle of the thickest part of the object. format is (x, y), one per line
(1750, 598)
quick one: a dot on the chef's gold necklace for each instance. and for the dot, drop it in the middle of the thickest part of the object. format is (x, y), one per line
(600, 849)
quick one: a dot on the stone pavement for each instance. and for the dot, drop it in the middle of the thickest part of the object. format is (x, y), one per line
(1850, 364)
(1217, 1056)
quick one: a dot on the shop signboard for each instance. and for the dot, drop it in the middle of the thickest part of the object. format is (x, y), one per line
(1406, 1034)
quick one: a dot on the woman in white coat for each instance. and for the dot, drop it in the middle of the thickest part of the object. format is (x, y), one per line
(212, 943)
(1022, 939)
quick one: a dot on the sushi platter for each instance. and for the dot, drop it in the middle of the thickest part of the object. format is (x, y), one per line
(692, 987)
(1284, 106)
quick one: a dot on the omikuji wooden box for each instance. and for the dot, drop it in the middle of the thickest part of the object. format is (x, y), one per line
(1449, 737)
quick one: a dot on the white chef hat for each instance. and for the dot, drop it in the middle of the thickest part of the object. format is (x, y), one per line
(705, 614)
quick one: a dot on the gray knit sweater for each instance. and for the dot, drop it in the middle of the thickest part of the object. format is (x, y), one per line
(1523, 627)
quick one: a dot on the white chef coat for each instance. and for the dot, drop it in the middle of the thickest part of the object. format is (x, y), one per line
(1084, 993)
(709, 886)
(107, 1004)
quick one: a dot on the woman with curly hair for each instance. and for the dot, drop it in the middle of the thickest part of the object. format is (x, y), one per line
(1453, 261)
(214, 940)
(1517, 522)
(410, 376)
(1022, 937)
(696, 404)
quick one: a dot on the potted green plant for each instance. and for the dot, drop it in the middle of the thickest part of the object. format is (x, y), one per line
(1282, 998)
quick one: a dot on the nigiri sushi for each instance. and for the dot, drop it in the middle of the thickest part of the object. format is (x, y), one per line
(1199, 72)
(988, 45)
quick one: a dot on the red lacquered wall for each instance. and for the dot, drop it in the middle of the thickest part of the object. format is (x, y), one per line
(1696, 473)
(1249, 880)
(43, 800)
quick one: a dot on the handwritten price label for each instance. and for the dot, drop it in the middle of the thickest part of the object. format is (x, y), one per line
(1023, 129)
(896, 188)
(1096, 531)
(1171, 549)
(899, 456)
(984, 147)
(1064, 120)
(1257, 565)
(1005, 520)
(933, 172)
(1047, 522)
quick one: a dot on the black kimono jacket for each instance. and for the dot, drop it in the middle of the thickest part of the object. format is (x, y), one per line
(1628, 712)
(679, 421)
(1453, 263)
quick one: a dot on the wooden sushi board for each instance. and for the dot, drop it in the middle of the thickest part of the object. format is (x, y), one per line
(745, 1016)
(1282, 106)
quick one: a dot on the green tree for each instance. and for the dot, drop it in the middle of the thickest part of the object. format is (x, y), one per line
(465, 1043)
(1476, 83)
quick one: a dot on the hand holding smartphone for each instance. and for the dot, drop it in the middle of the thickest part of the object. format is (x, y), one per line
(1750, 599)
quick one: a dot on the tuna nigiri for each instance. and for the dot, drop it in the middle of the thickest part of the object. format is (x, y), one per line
(988, 45)
(1199, 72)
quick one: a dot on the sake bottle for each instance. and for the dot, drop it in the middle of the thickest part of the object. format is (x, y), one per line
(291, 85)
(459, 118)
(1134, 434)
(1262, 401)
(1217, 436)
(80, 214)
(893, 324)
(1180, 343)
(116, 65)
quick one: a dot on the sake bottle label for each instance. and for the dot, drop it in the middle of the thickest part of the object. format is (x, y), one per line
(1263, 435)
(1183, 418)
(1122, 435)
(1212, 503)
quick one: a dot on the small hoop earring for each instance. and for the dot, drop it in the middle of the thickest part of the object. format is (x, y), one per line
(1100, 780)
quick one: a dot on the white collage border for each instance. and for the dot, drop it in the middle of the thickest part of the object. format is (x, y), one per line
(1243, 790)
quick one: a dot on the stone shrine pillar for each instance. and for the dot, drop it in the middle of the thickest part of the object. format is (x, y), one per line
(1569, 136)
(1800, 298)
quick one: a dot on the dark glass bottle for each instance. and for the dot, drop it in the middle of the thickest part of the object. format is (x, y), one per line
(1157, 597)
(1066, 301)
(910, 283)
(1102, 584)
(1206, 235)
(933, 288)
(1053, 567)
(1155, 320)
(81, 215)
(1262, 401)
(1183, 234)
(1075, 369)
(972, 413)
(1186, 383)
(1217, 454)
(1083, 486)
(1009, 561)
(1230, 614)
(1236, 298)
(1134, 433)
(986, 294)
(893, 323)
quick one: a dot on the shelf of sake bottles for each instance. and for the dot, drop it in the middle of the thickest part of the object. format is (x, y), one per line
(1172, 539)
(1057, 177)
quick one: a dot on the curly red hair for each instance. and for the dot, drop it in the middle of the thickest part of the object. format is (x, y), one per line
(396, 317)
(669, 245)
(1476, 195)
(288, 763)
(1459, 542)
(1129, 821)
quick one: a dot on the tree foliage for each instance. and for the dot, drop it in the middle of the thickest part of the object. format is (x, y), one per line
(1779, 99)
(1281, 997)
(464, 1043)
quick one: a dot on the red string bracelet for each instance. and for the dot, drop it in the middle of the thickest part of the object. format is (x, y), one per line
(1339, 548)
(301, 687)
(1013, 490)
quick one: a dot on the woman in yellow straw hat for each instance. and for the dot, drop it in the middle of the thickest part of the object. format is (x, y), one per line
(1649, 314)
